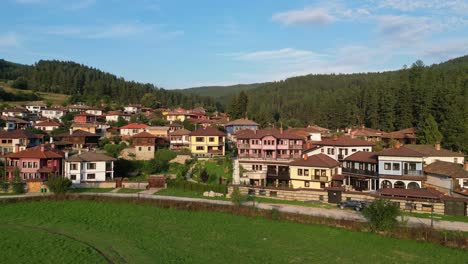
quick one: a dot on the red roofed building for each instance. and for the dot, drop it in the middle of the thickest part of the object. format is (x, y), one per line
(48, 126)
(340, 148)
(360, 171)
(132, 129)
(35, 163)
(315, 172)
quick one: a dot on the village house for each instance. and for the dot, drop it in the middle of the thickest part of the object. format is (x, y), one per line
(265, 154)
(360, 171)
(77, 108)
(18, 140)
(15, 112)
(159, 131)
(88, 127)
(35, 108)
(132, 129)
(340, 148)
(132, 109)
(309, 133)
(96, 111)
(13, 123)
(240, 124)
(145, 145)
(54, 113)
(207, 142)
(35, 163)
(77, 139)
(314, 172)
(447, 177)
(365, 133)
(404, 136)
(180, 139)
(113, 116)
(85, 118)
(47, 126)
(89, 167)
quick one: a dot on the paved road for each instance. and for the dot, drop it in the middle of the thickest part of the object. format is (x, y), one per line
(314, 211)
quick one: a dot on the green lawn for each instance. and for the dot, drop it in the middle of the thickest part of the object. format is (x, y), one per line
(75, 231)
(301, 203)
(126, 190)
(185, 193)
(8, 194)
(95, 190)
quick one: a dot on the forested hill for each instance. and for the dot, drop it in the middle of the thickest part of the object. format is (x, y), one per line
(91, 85)
(221, 93)
(388, 100)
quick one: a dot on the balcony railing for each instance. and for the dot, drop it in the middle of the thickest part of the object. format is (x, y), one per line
(296, 146)
(357, 171)
(412, 172)
(244, 146)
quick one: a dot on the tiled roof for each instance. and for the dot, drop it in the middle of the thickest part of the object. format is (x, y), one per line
(144, 134)
(77, 133)
(305, 131)
(18, 134)
(411, 193)
(261, 133)
(449, 169)
(134, 126)
(35, 152)
(90, 156)
(343, 142)
(162, 128)
(14, 119)
(209, 131)
(241, 122)
(367, 132)
(363, 156)
(431, 151)
(319, 160)
(48, 123)
(180, 132)
(400, 152)
(84, 125)
(401, 134)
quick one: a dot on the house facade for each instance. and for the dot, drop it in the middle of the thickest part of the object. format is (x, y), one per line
(35, 108)
(89, 167)
(35, 163)
(240, 124)
(18, 140)
(360, 171)
(145, 145)
(47, 126)
(132, 109)
(447, 177)
(207, 142)
(180, 139)
(313, 172)
(113, 116)
(132, 129)
(339, 148)
(53, 113)
(77, 139)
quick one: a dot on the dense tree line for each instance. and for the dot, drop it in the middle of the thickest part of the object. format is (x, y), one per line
(93, 86)
(387, 101)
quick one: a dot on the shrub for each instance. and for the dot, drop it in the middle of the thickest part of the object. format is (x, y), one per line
(17, 184)
(237, 197)
(382, 214)
(165, 154)
(4, 186)
(58, 184)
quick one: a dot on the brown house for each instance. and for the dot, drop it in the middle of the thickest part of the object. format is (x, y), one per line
(77, 139)
(145, 145)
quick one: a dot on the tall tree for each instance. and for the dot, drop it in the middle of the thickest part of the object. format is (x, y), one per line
(429, 131)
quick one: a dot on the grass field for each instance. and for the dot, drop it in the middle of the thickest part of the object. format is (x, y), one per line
(126, 190)
(93, 190)
(54, 98)
(88, 232)
(186, 193)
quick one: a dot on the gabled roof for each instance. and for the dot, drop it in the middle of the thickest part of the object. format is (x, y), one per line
(241, 122)
(319, 160)
(401, 134)
(261, 133)
(14, 119)
(400, 152)
(449, 169)
(90, 156)
(134, 126)
(18, 134)
(77, 133)
(431, 151)
(363, 156)
(344, 142)
(180, 132)
(366, 132)
(144, 134)
(48, 123)
(84, 125)
(209, 131)
(37, 153)
(162, 128)
(410, 193)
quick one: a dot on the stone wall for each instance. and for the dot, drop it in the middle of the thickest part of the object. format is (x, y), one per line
(134, 185)
(107, 184)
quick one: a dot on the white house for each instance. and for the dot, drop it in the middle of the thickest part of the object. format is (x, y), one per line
(339, 148)
(113, 116)
(47, 126)
(132, 129)
(132, 109)
(89, 167)
(35, 108)
(53, 113)
(94, 111)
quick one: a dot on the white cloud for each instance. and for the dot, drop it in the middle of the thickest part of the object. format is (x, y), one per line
(406, 28)
(309, 16)
(457, 6)
(9, 40)
(264, 55)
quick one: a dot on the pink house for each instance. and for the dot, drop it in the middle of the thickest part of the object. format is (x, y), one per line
(35, 163)
(269, 144)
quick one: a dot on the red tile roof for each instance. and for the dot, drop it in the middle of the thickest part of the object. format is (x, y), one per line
(400, 152)
(18, 134)
(134, 126)
(431, 151)
(363, 156)
(343, 142)
(410, 193)
(261, 133)
(319, 160)
(37, 153)
(180, 132)
(48, 123)
(401, 134)
(449, 169)
(144, 134)
(209, 131)
(77, 133)
(241, 122)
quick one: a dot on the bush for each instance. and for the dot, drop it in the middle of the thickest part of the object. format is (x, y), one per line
(4, 186)
(17, 184)
(237, 197)
(165, 154)
(382, 214)
(196, 187)
(58, 184)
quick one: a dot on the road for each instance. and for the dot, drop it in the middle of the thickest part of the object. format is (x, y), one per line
(313, 211)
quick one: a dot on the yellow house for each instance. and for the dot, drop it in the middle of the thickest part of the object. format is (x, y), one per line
(314, 172)
(207, 142)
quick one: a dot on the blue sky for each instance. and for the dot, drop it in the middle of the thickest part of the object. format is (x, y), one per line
(177, 44)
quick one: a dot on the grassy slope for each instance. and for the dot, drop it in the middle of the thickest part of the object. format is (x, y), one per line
(54, 98)
(145, 234)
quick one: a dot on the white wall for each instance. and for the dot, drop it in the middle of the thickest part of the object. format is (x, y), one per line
(82, 171)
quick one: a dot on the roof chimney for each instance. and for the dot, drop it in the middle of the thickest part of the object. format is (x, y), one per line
(437, 145)
(397, 144)
(42, 148)
(335, 138)
(304, 157)
(465, 165)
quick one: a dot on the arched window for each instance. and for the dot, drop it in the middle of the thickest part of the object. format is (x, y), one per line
(399, 185)
(413, 185)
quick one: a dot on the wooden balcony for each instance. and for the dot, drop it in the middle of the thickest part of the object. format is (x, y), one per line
(357, 171)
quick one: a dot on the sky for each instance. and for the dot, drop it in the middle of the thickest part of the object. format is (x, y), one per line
(178, 44)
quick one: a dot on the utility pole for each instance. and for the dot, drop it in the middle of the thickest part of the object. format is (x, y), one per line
(432, 213)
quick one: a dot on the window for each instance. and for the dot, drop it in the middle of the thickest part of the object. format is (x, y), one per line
(36, 164)
(455, 160)
(387, 166)
(211, 139)
(262, 192)
(306, 172)
(73, 177)
(396, 166)
(353, 150)
(306, 184)
(24, 164)
(426, 207)
(410, 206)
(139, 148)
(322, 150)
(199, 139)
(73, 166)
(322, 185)
(200, 148)
(299, 172)
(91, 176)
(323, 172)
(149, 148)
(91, 166)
